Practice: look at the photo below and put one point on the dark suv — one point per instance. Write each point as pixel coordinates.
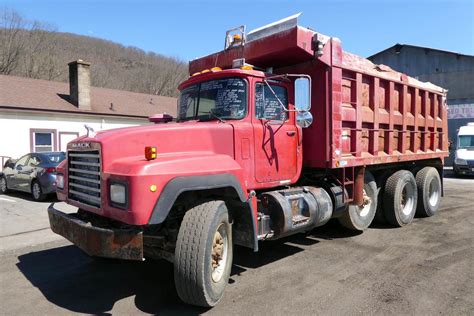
(34, 173)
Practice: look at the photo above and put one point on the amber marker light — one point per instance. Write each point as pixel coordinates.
(153, 188)
(150, 153)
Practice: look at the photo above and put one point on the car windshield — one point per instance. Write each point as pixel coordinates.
(55, 157)
(223, 98)
(466, 141)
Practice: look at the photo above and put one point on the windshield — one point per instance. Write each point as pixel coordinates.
(466, 141)
(224, 98)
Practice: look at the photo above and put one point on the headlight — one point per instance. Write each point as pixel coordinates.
(118, 194)
(459, 161)
(60, 181)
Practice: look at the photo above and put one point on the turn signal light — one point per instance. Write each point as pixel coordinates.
(150, 153)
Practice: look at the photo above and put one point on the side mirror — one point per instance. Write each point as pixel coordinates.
(302, 94)
(19, 167)
(450, 145)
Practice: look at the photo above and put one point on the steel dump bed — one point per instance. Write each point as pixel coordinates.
(364, 114)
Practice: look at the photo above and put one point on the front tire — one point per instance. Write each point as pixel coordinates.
(37, 191)
(428, 183)
(400, 198)
(360, 217)
(203, 254)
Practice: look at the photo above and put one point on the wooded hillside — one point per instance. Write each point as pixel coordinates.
(34, 49)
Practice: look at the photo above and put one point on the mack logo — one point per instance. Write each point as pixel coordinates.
(81, 145)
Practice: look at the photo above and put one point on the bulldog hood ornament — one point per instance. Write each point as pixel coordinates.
(90, 131)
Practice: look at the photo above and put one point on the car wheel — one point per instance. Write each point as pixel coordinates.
(3, 185)
(203, 254)
(37, 191)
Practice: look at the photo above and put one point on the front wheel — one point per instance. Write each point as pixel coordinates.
(203, 254)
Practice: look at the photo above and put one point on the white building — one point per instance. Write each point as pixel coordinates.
(40, 115)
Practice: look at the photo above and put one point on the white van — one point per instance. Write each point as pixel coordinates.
(464, 156)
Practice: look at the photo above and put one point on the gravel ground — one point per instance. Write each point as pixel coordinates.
(424, 268)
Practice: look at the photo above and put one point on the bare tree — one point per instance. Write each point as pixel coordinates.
(34, 49)
(12, 40)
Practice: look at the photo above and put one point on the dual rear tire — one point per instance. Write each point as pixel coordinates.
(405, 195)
(360, 217)
(395, 199)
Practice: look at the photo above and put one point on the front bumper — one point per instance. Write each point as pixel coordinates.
(97, 241)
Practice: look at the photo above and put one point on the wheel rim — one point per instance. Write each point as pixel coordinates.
(407, 201)
(365, 208)
(36, 191)
(3, 184)
(219, 253)
(433, 193)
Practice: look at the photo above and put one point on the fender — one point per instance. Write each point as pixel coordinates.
(178, 185)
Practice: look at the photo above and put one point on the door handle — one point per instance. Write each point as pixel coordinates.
(291, 133)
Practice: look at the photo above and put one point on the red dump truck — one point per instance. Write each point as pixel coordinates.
(275, 135)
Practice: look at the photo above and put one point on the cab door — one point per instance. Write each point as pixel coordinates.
(275, 134)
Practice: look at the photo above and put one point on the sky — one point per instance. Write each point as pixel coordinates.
(190, 29)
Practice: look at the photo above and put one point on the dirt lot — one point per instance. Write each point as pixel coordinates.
(425, 268)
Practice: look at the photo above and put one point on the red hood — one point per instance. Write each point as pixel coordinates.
(170, 138)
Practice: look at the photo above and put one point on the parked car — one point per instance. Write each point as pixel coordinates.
(34, 173)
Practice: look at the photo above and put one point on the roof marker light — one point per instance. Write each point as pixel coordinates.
(150, 153)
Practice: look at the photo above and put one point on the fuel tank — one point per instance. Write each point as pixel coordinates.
(289, 211)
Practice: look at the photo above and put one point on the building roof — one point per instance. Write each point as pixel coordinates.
(399, 47)
(19, 93)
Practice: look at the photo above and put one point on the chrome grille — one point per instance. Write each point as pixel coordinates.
(84, 177)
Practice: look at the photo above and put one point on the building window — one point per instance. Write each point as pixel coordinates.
(42, 140)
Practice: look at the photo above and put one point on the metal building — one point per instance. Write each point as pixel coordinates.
(449, 70)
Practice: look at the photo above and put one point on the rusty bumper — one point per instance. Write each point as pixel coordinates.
(97, 241)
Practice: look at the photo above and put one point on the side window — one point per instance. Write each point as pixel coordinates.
(22, 161)
(267, 106)
(34, 161)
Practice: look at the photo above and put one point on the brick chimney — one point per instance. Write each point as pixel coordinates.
(80, 84)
